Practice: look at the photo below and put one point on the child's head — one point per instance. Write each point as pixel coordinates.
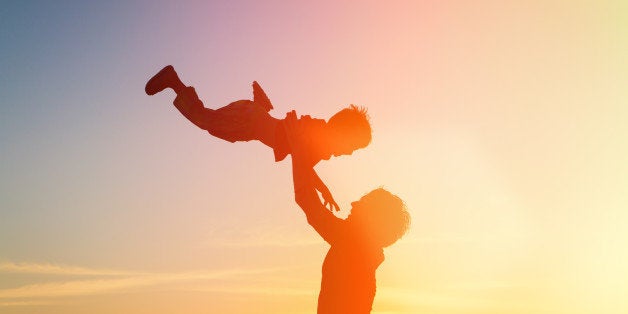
(380, 216)
(350, 130)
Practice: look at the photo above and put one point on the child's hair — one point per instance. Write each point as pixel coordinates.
(386, 215)
(353, 123)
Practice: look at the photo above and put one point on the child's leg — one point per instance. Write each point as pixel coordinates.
(239, 121)
(188, 103)
(243, 120)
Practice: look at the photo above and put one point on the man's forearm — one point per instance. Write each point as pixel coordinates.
(318, 183)
(304, 190)
(322, 220)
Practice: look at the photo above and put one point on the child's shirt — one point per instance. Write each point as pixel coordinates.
(314, 129)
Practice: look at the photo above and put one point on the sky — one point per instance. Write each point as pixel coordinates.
(501, 124)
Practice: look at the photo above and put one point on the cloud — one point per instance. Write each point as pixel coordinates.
(414, 298)
(254, 290)
(124, 281)
(262, 242)
(75, 288)
(20, 303)
(261, 236)
(483, 285)
(52, 269)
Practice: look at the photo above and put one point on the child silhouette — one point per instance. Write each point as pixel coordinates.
(246, 120)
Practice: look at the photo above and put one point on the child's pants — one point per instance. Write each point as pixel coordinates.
(234, 122)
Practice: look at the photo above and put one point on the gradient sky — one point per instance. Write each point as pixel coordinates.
(502, 124)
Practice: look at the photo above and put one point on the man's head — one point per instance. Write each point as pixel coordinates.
(349, 129)
(380, 216)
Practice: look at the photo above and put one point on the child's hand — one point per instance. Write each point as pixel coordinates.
(295, 135)
(292, 129)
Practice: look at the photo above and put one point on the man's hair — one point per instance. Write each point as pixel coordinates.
(386, 215)
(353, 123)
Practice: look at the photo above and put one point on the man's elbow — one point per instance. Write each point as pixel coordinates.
(304, 200)
(299, 199)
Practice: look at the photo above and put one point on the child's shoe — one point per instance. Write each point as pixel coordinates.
(260, 98)
(162, 80)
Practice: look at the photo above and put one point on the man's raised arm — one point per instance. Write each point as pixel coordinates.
(304, 186)
(323, 221)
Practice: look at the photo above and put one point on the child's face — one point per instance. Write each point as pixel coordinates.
(333, 146)
(343, 149)
(340, 146)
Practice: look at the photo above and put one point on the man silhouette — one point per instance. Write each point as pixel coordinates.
(376, 221)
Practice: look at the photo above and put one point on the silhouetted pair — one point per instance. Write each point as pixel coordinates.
(377, 220)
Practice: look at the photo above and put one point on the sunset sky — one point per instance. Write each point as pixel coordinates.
(503, 125)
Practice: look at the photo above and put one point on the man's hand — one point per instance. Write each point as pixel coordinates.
(329, 200)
